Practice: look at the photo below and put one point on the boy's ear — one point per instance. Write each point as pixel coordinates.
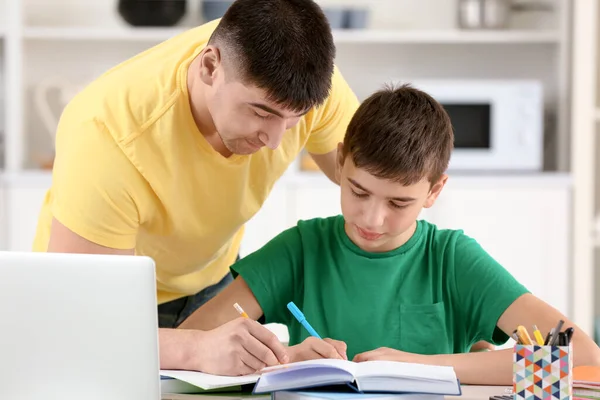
(340, 162)
(435, 191)
(210, 60)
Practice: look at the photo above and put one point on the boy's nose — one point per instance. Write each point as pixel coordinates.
(373, 217)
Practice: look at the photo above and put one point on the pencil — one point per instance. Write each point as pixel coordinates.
(523, 335)
(538, 335)
(240, 310)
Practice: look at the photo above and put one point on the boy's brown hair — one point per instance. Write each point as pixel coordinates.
(401, 134)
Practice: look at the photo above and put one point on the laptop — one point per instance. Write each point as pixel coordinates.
(78, 326)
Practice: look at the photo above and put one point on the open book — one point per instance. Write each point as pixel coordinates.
(370, 376)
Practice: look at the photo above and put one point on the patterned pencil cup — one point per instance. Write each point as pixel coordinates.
(542, 372)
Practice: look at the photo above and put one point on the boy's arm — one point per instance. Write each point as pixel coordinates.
(495, 367)
(492, 304)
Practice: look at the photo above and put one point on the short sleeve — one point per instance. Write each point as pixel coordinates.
(485, 290)
(92, 185)
(333, 117)
(274, 274)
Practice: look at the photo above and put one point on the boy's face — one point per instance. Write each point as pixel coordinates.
(380, 215)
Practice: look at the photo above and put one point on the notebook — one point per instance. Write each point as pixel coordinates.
(586, 382)
(317, 395)
(179, 381)
(369, 376)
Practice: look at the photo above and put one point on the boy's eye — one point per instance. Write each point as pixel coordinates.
(359, 195)
(395, 205)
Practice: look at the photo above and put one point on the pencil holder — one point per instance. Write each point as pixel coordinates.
(542, 372)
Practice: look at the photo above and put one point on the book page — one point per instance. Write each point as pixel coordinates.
(305, 374)
(347, 366)
(405, 370)
(208, 381)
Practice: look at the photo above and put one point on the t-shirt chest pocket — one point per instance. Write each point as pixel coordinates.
(423, 328)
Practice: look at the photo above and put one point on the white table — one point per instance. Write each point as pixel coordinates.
(469, 392)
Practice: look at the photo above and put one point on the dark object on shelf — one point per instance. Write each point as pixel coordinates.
(357, 18)
(152, 12)
(336, 16)
(214, 9)
(346, 18)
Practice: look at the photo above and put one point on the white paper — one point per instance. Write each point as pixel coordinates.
(208, 381)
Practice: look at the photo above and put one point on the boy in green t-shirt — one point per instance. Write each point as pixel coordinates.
(381, 283)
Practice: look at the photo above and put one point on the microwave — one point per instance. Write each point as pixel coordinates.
(498, 124)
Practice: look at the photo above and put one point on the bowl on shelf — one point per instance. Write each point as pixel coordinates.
(214, 9)
(152, 12)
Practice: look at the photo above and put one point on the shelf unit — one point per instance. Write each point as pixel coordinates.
(359, 36)
(585, 120)
(78, 39)
(36, 34)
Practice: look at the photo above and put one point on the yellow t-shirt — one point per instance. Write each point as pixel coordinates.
(133, 171)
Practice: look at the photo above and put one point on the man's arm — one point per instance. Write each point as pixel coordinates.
(332, 119)
(219, 316)
(64, 240)
(495, 367)
(239, 347)
(327, 164)
(219, 310)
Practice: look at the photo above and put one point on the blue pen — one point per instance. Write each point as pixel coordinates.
(302, 319)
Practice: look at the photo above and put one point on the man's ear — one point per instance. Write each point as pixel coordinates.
(340, 162)
(435, 191)
(210, 60)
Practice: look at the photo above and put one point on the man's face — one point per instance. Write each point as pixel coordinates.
(245, 120)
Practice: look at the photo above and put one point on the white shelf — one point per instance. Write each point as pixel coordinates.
(90, 33)
(32, 177)
(445, 36)
(340, 36)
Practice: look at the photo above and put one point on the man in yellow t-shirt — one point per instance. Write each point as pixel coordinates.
(169, 153)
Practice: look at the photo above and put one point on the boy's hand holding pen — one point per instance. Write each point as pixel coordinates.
(554, 338)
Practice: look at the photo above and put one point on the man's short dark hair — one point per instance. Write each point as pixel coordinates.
(284, 47)
(401, 134)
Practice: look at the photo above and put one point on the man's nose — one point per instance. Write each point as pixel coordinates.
(272, 137)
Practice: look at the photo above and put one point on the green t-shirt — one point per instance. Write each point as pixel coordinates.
(439, 293)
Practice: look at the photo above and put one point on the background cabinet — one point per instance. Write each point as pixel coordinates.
(527, 232)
